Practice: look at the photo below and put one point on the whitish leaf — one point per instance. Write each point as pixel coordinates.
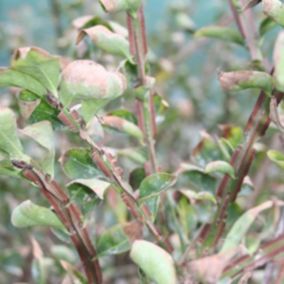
(155, 262)
(198, 196)
(123, 125)
(14, 78)
(113, 6)
(28, 214)
(42, 133)
(277, 157)
(9, 141)
(247, 79)
(220, 167)
(275, 10)
(278, 57)
(118, 239)
(97, 186)
(40, 65)
(107, 40)
(242, 225)
(222, 33)
(85, 79)
(209, 269)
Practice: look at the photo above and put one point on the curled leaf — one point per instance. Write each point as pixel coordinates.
(222, 33)
(85, 79)
(123, 125)
(221, 167)
(278, 58)
(113, 6)
(107, 40)
(241, 80)
(277, 157)
(96, 185)
(155, 262)
(275, 10)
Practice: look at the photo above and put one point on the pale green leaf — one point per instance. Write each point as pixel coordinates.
(277, 157)
(42, 133)
(113, 6)
(97, 186)
(9, 141)
(220, 167)
(243, 224)
(14, 78)
(275, 10)
(222, 33)
(28, 214)
(40, 65)
(278, 58)
(154, 261)
(245, 79)
(107, 40)
(123, 125)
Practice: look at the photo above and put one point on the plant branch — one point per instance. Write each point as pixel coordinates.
(70, 216)
(106, 164)
(145, 109)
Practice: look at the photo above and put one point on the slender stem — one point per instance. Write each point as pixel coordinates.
(145, 110)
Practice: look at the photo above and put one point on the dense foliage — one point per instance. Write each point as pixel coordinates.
(106, 172)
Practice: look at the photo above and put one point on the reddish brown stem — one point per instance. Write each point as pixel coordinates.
(70, 216)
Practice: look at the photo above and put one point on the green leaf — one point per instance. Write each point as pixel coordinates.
(114, 241)
(278, 59)
(113, 6)
(275, 10)
(77, 163)
(195, 178)
(42, 133)
(78, 82)
(155, 262)
(14, 78)
(99, 187)
(150, 189)
(266, 25)
(221, 167)
(28, 214)
(9, 141)
(40, 65)
(277, 157)
(153, 185)
(247, 79)
(107, 40)
(123, 125)
(222, 33)
(242, 225)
